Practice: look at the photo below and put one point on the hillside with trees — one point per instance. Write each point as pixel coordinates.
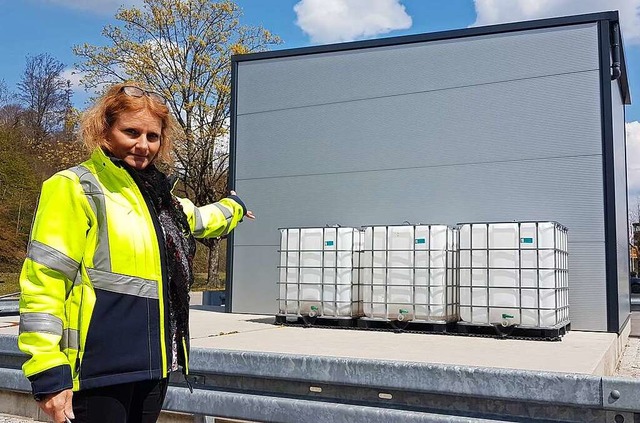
(178, 48)
(37, 138)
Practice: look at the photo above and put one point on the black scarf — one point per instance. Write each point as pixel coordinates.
(180, 246)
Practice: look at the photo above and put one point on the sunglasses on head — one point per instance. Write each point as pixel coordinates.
(134, 91)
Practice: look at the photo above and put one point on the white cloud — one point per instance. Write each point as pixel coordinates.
(74, 77)
(498, 11)
(633, 160)
(96, 6)
(328, 21)
(81, 96)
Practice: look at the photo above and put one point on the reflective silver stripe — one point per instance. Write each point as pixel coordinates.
(53, 259)
(78, 279)
(70, 339)
(199, 228)
(95, 195)
(123, 284)
(227, 215)
(40, 322)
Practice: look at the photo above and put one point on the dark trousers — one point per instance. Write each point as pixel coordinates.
(135, 402)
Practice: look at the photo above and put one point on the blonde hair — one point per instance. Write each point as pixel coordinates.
(98, 119)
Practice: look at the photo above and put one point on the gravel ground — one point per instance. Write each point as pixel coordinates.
(5, 418)
(629, 366)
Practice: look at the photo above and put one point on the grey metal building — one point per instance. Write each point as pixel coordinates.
(522, 121)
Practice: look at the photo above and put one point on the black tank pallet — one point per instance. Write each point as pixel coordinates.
(514, 332)
(316, 321)
(451, 328)
(406, 326)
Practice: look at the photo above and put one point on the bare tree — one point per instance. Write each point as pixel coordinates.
(42, 92)
(11, 114)
(182, 49)
(634, 217)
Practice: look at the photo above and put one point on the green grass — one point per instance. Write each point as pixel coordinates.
(9, 283)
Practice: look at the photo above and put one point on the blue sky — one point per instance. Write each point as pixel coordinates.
(31, 27)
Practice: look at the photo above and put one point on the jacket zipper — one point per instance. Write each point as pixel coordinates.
(163, 263)
(185, 368)
(78, 363)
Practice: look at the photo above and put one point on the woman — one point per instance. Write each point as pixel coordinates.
(105, 305)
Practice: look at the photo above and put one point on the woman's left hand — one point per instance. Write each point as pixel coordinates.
(249, 213)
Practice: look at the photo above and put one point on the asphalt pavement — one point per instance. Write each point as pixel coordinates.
(635, 302)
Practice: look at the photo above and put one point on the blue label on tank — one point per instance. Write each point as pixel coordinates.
(526, 240)
(328, 243)
(421, 241)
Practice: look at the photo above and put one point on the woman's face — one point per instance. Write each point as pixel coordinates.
(135, 138)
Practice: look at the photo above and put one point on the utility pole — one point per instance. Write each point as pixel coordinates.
(635, 247)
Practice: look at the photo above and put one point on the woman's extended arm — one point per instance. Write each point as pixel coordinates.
(217, 219)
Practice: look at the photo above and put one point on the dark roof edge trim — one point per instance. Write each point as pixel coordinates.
(431, 36)
(623, 81)
(452, 34)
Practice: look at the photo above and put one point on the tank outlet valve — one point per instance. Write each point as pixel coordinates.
(505, 322)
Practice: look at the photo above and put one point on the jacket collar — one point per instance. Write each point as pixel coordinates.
(104, 161)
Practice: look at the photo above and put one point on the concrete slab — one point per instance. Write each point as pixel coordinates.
(578, 352)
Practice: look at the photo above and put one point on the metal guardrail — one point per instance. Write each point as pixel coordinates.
(9, 304)
(257, 406)
(285, 388)
(9, 308)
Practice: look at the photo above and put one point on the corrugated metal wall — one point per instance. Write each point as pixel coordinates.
(488, 128)
(622, 223)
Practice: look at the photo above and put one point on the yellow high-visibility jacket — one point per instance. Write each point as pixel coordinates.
(94, 303)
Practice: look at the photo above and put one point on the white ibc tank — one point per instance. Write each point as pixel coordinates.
(319, 272)
(514, 273)
(408, 273)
